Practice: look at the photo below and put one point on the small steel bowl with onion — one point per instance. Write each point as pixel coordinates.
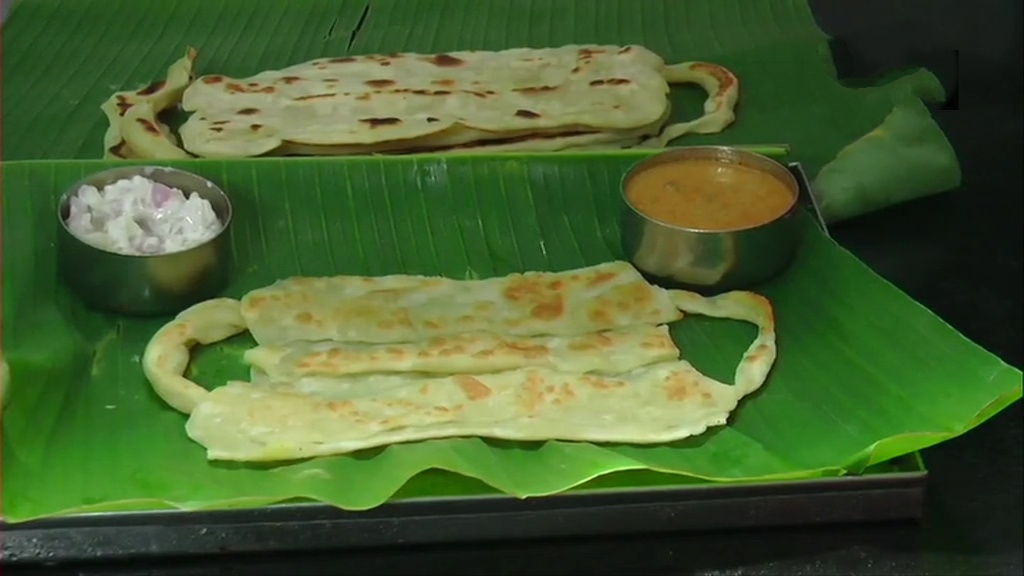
(151, 284)
(710, 218)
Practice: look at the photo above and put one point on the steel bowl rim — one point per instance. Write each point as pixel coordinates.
(65, 198)
(666, 155)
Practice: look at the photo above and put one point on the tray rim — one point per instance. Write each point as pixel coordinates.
(312, 527)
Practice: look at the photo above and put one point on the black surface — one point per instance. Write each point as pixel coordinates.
(958, 253)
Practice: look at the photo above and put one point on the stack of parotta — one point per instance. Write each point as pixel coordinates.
(524, 99)
(347, 363)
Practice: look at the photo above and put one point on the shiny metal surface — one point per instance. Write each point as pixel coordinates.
(146, 285)
(710, 260)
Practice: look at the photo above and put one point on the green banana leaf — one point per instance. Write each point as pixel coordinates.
(63, 59)
(864, 375)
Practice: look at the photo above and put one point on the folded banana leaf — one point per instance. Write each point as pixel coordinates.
(864, 373)
(62, 60)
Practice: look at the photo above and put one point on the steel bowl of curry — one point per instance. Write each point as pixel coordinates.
(710, 217)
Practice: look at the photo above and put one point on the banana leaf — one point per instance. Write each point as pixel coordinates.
(864, 375)
(63, 59)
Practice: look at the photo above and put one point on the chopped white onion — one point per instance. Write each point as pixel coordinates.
(139, 217)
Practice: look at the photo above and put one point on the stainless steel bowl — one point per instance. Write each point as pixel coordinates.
(146, 285)
(705, 259)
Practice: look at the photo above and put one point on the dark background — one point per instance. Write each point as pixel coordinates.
(958, 253)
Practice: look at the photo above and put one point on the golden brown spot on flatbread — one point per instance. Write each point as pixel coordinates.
(451, 351)
(476, 93)
(592, 342)
(219, 122)
(385, 63)
(431, 324)
(255, 127)
(610, 82)
(545, 304)
(252, 84)
(363, 97)
(601, 278)
(431, 119)
(550, 388)
(212, 79)
(152, 88)
(382, 83)
(217, 129)
(679, 387)
(268, 90)
(375, 122)
(248, 111)
(526, 350)
(600, 317)
(601, 383)
(485, 307)
(304, 318)
(341, 406)
(759, 352)
(550, 309)
(118, 149)
(725, 79)
(342, 60)
(567, 392)
(660, 342)
(123, 105)
(472, 388)
(527, 114)
(445, 60)
(576, 69)
(290, 79)
(147, 126)
(589, 52)
(535, 89)
(533, 393)
(317, 96)
(445, 82)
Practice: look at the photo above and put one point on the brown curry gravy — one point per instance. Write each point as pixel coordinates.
(708, 195)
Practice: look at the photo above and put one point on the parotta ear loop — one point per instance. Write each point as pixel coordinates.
(723, 88)
(123, 125)
(757, 361)
(167, 353)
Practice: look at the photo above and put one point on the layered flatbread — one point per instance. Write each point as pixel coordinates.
(134, 129)
(524, 99)
(611, 352)
(403, 308)
(336, 381)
